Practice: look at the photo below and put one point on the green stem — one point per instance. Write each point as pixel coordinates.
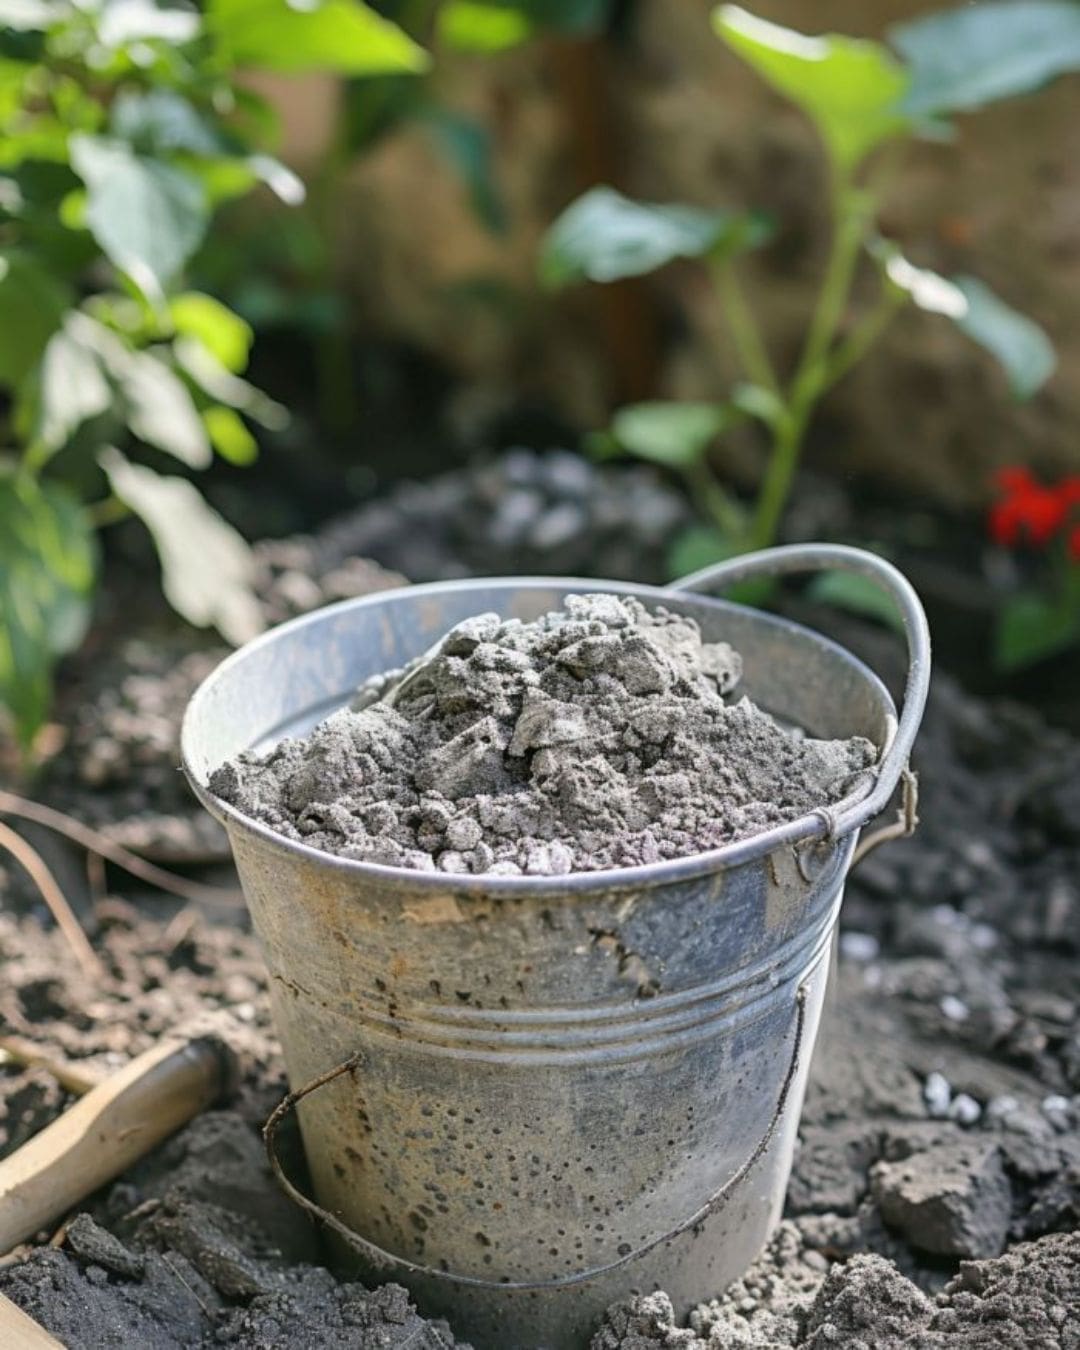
(749, 343)
(706, 490)
(851, 214)
(862, 337)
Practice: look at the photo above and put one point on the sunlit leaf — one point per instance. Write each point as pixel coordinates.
(47, 565)
(1020, 345)
(224, 334)
(72, 388)
(201, 366)
(27, 16)
(207, 568)
(473, 27)
(850, 88)
(148, 217)
(967, 57)
(230, 437)
(160, 410)
(604, 236)
(342, 36)
(161, 121)
(677, 435)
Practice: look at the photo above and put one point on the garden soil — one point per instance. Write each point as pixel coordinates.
(595, 736)
(935, 1197)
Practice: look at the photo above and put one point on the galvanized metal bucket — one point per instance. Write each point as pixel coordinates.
(526, 1097)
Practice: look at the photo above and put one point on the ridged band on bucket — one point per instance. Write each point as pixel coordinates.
(524, 1097)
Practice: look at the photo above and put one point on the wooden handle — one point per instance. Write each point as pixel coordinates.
(19, 1331)
(106, 1131)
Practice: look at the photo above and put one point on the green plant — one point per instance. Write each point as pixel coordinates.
(1038, 620)
(124, 126)
(866, 103)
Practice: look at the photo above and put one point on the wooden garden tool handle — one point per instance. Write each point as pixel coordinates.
(107, 1130)
(19, 1331)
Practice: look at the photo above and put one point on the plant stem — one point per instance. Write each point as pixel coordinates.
(724, 511)
(851, 211)
(862, 337)
(749, 343)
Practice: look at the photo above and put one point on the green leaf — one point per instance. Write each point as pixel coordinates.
(1031, 627)
(467, 145)
(32, 307)
(161, 121)
(47, 565)
(856, 594)
(700, 546)
(604, 236)
(72, 388)
(224, 334)
(850, 88)
(230, 437)
(207, 568)
(677, 435)
(965, 58)
(755, 400)
(147, 217)
(485, 29)
(202, 367)
(341, 36)
(1020, 345)
(160, 410)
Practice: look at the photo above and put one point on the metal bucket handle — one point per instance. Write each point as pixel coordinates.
(892, 767)
(382, 1259)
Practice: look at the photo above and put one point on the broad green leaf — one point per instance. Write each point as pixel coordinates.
(161, 121)
(1032, 627)
(47, 565)
(1020, 345)
(207, 568)
(965, 58)
(700, 546)
(604, 236)
(857, 594)
(486, 29)
(201, 366)
(148, 217)
(230, 437)
(123, 21)
(466, 143)
(224, 334)
(677, 435)
(32, 307)
(72, 388)
(341, 36)
(850, 88)
(754, 400)
(160, 410)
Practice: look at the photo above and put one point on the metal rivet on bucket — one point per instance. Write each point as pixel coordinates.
(526, 1097)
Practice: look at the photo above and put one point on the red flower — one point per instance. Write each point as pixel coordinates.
(1030, 510)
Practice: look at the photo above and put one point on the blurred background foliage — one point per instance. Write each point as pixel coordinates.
(270, 256)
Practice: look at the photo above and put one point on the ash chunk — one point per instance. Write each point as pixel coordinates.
(597, 736)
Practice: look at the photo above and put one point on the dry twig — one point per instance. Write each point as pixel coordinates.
(36, 868)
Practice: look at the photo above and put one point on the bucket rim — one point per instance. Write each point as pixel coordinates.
(815, 826)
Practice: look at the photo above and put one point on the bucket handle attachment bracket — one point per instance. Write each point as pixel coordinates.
(893, 766)
(381, 1259)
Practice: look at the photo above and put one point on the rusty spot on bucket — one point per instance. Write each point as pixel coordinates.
(439, 909)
